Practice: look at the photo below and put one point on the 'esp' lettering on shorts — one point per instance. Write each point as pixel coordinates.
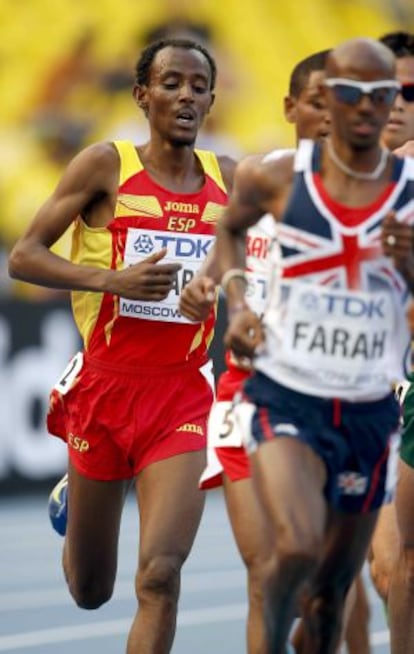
(78, 443)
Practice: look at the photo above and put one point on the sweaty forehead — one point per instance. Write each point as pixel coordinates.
(180, 60)
(361, 59)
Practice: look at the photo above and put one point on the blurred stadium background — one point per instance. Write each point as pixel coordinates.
(65, 81)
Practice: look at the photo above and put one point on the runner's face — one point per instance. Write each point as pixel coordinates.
(360, 124)
(400, 127)
(178, 95)
(311, 114)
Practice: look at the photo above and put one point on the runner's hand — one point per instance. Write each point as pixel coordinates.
(146, 280)
(398, 243)
(244, 334)
(397, 240)
(197, 298)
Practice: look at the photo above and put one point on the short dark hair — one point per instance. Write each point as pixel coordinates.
(303, 69)
(143, 66)
(401, 43)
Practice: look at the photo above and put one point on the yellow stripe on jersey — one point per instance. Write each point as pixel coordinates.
(91, 246)
(198, 338)
(108, 328)
(212, 212)
(128, 204)
(138, 205)
(211, 167)
(200, 334)
(130, 162)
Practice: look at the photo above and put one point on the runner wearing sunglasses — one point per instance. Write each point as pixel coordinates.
(324, 410)
(349, 91)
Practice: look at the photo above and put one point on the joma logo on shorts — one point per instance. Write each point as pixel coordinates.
(192, 429)
(78, 443)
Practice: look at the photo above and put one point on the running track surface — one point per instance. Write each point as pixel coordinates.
(37, 615)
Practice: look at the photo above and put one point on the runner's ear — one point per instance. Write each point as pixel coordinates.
(140, 95)
(213, 97)
(289, 106)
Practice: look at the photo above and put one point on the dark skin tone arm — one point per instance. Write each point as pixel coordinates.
(88, 189)
(258, 188)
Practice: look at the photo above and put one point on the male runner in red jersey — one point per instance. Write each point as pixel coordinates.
(133, 405)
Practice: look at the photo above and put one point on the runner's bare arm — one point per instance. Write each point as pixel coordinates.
(87, 189)
(258, 188)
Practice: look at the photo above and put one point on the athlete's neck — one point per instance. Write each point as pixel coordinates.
(177, 169)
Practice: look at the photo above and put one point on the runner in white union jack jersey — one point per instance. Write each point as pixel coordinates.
(333, 267)
(333, 342)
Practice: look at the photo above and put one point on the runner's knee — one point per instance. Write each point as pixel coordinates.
(90, 593)
(159, 577)
(299, 541)
(293, 566)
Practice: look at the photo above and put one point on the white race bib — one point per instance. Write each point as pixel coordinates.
(189, 250)
(230, 425)
(342, 337)
(64, 384)
(401, 390)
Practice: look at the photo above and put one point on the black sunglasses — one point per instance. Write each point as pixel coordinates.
(349, 91)
(407, 92)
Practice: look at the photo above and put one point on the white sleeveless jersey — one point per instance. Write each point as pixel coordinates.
(260, 241)
(335, 320)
